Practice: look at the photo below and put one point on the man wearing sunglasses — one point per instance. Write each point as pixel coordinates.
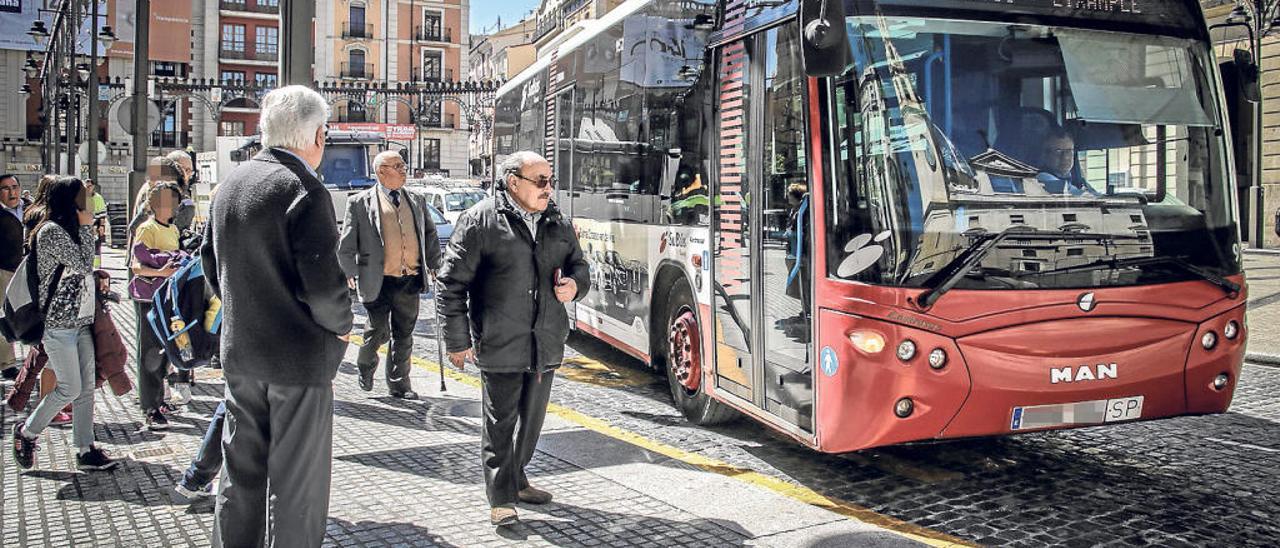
(512, 262)
(388, 247)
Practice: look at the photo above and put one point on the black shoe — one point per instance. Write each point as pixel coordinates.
(156, 420)
(95, 459)
(366, 382)
(24, 450)
(406, 395)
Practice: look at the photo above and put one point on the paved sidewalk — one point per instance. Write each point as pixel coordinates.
(407, 474)
(1262, 272)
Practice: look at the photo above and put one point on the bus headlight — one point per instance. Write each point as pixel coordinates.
(1221, 381)
(938, 358)
(904, 408)
(907, 350)
(1209, 340)
(1231, 330)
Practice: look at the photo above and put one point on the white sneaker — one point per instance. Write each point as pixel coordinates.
(181, 394)
(193, 495)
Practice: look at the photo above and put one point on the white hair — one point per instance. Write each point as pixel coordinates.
(517, 160)
(291, 115)
(178, 156)
(382, 157)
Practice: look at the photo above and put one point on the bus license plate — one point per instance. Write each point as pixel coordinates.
(1076, 413)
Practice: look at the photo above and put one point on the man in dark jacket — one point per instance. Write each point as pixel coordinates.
(270, 253)
(511, 262)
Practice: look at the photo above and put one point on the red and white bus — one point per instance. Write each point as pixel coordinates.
(870, 222)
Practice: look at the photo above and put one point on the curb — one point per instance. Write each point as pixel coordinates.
(1262, 358)
(1267, 252)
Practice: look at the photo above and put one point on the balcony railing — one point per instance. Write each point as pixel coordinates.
(259, 7)
(433, 33)
(357, 70)
(447, 121)
(233, 5)
(231, 53)
(351, 30)
(434, 75)
(266, 56)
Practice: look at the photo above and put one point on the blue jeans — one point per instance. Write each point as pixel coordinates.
(209, 458)
(71, 358)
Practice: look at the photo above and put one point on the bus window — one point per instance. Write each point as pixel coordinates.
(346, 167)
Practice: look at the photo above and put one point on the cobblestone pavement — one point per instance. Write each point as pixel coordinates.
(404, 474)
(1192, 481)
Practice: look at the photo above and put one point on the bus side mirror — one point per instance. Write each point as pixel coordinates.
(1247, 74)
(825, 48)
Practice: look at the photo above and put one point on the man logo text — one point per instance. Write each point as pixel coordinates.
(1082, 373)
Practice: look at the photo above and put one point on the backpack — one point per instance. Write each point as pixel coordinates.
(186, 317)
(22, 318)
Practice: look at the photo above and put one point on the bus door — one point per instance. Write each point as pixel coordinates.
(763, 287)
(562, 164)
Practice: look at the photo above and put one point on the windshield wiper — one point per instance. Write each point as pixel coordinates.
(1229, 287)
(951, 273)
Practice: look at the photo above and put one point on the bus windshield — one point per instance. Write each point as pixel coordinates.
(346, 167)
(1107, 146)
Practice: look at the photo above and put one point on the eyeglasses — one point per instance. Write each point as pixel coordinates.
(402, 168)
(541, 182)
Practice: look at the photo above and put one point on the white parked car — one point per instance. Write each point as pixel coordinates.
(452, 199)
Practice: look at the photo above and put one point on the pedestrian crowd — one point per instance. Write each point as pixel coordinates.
(277, 317)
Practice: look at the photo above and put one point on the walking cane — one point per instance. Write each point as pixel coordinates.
(435, 296)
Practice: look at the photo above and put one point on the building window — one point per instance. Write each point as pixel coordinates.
(433, 27)
(233, 77)
(269, 3)
(265, 81)
(231, 128)
(268, 40)
(431, 154)
(355, 66)
(432, 66)
(233, 38)
(167, 69)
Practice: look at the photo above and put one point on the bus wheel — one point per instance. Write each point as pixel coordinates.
(684, 363)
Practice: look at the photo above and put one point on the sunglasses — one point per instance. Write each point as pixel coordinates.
(540, 182)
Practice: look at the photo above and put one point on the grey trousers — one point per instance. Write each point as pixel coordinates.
(392, 317)
(515, 405)
(278, 450)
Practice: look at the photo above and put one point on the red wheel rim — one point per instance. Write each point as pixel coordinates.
(686, 350)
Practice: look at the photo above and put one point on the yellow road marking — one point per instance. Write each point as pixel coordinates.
(785, 488)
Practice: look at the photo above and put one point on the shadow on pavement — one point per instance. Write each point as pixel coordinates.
(133, 482)
(576, 526)
(373, 533)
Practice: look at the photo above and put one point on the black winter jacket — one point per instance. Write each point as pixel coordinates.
(496, 286)
(271, 253)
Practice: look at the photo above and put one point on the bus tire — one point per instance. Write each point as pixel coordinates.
(683, 355)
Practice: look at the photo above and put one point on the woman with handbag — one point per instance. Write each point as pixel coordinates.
(64, 246)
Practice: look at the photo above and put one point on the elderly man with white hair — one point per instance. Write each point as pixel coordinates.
(388, 249)
(270, 253)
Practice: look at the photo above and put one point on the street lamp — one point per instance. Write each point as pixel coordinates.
(82, 70)
(31, 68)
(38, 32)
(106, 37)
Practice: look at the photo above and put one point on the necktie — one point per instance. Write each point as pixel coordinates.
(395, 198)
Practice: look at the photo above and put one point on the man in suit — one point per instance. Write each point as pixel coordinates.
(11, 240)
(270, 254)
(388, 245)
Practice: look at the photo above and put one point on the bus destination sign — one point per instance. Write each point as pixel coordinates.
(1165, 13)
